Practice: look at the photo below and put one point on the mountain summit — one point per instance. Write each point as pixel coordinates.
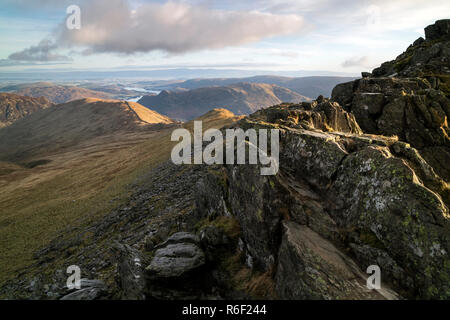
(408, 97)
(427, 58)
(66, 125)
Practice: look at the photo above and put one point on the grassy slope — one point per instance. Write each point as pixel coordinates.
(62, 94)
(77, 187)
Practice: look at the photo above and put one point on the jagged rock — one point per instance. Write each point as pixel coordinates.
(324, 116)
(130, 272)
(382, 199)
(407, 108)
(175, 260)
(368, 255)
(439, 29)
(310, 267)
(374, 195)
(212, 236)
(209, 200)
(179, 237)
(177, 270)
(90, 290)
(259, 218)
(429, 58)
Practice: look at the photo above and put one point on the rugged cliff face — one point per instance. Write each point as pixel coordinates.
(341, 201)
(408, 97)
(362, 184)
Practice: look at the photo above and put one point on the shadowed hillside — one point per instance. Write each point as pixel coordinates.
(307, 86)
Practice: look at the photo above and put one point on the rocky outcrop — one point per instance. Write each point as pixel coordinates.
(130, 272)
(90, 290)
(310, 267)
(427, 57)
(176, 259)
(369, 200)
(408, 97)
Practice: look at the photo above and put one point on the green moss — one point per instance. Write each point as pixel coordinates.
(272, 184)
(432, 291)
(229, 225)
(444, 83)
(407, 221)
(259, 214)
(402, 63)
(369, 238)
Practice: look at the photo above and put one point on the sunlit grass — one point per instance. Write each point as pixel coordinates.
(75, 189)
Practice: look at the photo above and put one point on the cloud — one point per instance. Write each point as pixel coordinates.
(113, 26)
(42, 52)
(5, 63)
(38, 4)
(356, 62)
(174, 27)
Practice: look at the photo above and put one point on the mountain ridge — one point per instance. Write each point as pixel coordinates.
(312, 86)
(55, 92)
(241, 98)
(65, 125)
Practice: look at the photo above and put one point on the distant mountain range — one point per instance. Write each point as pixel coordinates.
(14, 107)
(54, 92)
(240, 98)
(139, 72)
(307, 86)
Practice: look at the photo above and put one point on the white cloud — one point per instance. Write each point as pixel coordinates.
(44, 52)
(356, 62)
(113, 26)
(174, 27)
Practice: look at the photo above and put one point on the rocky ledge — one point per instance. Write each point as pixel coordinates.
(341, 199)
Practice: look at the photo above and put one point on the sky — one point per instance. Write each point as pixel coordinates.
(285, 35)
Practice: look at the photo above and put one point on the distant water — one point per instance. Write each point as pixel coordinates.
(142, 90)
(136, 99)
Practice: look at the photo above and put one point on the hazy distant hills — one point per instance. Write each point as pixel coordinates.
(65, 125)
(307, 86)
(140, 72)
(14, 107)
(240, 98)
(61, 94)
